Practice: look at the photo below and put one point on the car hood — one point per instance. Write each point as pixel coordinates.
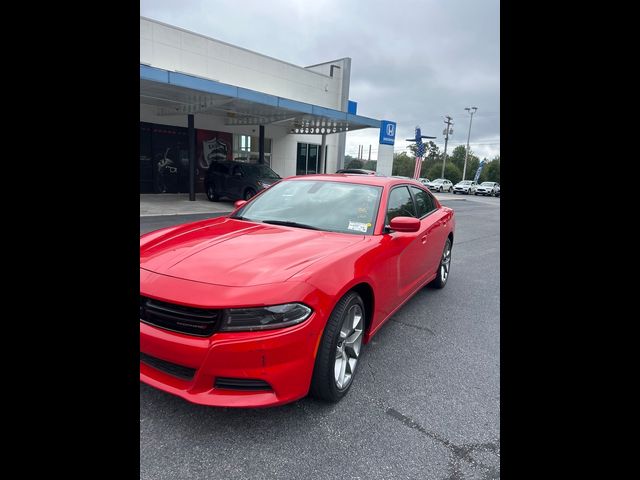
(237, 253)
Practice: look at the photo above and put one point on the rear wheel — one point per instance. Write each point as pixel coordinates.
(450, 189)
(440, 189)
(211, 194)
(443, 269)
(339, 349)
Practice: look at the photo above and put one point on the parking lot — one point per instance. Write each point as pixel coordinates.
(424, 403)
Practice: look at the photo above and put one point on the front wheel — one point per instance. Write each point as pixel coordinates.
(339, 349)
(443, 269)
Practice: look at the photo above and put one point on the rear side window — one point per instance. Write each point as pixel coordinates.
(400, 204)
(424, 201)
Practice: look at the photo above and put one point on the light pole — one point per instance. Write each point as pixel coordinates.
(471, 110)
(446, 132)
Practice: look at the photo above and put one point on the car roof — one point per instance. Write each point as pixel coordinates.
(378, 180)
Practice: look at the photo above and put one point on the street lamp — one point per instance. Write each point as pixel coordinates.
(471, 110)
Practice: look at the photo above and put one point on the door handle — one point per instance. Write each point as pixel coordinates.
(424, 239)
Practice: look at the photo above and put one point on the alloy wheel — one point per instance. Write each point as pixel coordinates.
(348, 347)
(446, 262)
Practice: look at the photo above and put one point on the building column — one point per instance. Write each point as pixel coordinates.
(261, 146)
(323, 155)
(192, 158)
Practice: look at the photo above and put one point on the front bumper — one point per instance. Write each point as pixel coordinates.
(283, 358)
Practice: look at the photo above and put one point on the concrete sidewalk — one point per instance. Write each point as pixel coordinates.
(157, 204)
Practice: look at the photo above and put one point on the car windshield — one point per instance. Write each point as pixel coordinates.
(487, 184)
(438, 180)
(318, 205)
(465, 182)
(261, 171)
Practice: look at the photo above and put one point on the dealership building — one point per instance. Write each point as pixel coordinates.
(203, 100)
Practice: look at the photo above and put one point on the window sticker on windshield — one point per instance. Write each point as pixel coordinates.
(358, 226)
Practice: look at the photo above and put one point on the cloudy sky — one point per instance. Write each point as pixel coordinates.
(412, 61)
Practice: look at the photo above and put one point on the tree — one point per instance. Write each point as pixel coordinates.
(431, 150)
(457, 158)
(370, 165)
(348, 159)
(491, 171)
(451, 172)
(403, 164)
(354, 163)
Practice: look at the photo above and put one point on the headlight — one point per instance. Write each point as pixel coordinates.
(264, 318)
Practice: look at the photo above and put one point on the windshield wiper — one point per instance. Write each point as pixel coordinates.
(290, 224)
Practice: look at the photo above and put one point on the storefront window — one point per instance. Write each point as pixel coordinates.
(246, 149)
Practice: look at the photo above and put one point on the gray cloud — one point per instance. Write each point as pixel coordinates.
(412, 61)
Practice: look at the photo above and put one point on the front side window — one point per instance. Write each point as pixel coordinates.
(400, 204)
(424, 201)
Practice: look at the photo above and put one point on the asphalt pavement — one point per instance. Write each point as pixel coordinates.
(424, 403)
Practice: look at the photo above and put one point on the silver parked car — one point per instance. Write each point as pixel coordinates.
(440, 185)
(488, 188)
(465, 186)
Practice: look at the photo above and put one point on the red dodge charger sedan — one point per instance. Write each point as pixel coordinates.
(276, 300)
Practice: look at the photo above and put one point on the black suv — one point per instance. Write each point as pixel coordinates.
(237, 180)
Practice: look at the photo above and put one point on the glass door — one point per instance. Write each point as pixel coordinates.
(308, 159)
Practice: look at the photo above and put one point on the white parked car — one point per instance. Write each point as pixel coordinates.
(465, 186)
(488, 188)
(440, 185)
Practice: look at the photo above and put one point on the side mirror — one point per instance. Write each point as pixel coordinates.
(405, 224)
(238, 203)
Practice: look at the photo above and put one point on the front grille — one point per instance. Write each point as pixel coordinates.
(241, 384)
(174, 369)
(200, 322)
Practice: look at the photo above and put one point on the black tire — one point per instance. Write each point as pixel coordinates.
(248, 193)
(323, 382)
(450, 189)
(441, 280)
(211, 194)
(475, 193)
(440, 189)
